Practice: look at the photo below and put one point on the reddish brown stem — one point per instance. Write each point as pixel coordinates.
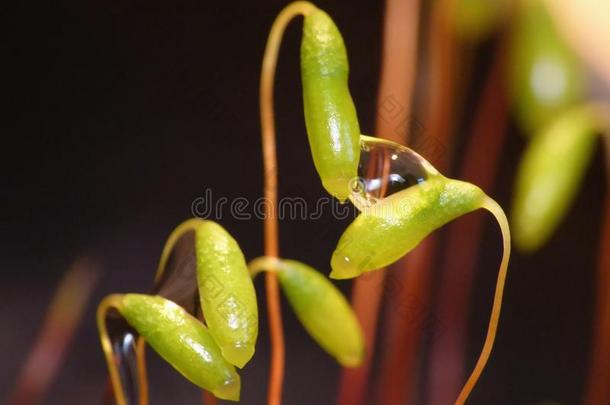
(394, 105)
(60, 324)
(276, 374)
(398, 367)
(209, 399)
(480, 163)
(406, 309)
(598, 389)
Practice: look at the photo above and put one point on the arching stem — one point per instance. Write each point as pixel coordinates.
(263, 264)
(139, 350)
(108, 303)
(493, 207)
(276, 374)
(459, 264)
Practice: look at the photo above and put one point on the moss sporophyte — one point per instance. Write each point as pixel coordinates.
(203, 318)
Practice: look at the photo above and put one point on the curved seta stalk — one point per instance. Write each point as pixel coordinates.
(108, 303)
(276, 373)
(111, 302)
(495, 209)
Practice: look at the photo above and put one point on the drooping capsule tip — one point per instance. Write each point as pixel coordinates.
(352, 361)
(526, 236)
(355, 358)
(238, 355)
(343, 267)
(230, 390)
(338, 187)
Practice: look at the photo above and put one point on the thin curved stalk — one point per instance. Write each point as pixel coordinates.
(107, 304)
(493, 207)
(399, 55)
(171, 286)
(480, 163)
(276, 374)
(263, 264)
(141, 364)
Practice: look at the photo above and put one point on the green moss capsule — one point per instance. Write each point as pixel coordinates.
(545, 75)
(330, 114)
(393, 226)
(550, 173)
(182, 341)
(402, 199)
(227, 295)
(323, 311)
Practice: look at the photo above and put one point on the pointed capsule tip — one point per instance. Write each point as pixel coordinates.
(528, 234)
(351, 361)
(238, 355)
(230, 390)
(527, 243)
(343, 273)
(338, 188)
(342, 268)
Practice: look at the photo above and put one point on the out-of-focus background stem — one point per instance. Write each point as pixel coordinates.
(447, 366)
(396, 86)
(398, 379)
(56, 335)
(598, 389)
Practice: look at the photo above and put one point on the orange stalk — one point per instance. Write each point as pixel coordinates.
(399, 55)
(480, 163)
(271, 237)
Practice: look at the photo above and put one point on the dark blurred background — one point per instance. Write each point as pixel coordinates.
(118, 115)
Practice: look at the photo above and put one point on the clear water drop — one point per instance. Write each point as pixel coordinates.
(386, 168)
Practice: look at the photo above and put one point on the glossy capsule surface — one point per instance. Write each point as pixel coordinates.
(330, 115)
(323, 311)
(402, 199)
(183, 342)
(226, 292)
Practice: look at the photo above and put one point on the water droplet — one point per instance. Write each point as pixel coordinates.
(386, 168)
